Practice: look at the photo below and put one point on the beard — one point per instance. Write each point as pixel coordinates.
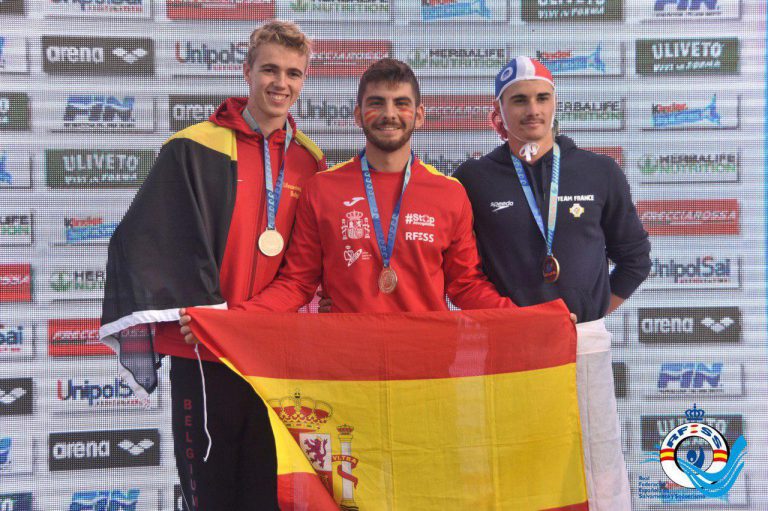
(388, 145)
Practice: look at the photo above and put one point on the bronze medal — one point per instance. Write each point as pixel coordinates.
(387, 280)
(550, 269)
(271, 243)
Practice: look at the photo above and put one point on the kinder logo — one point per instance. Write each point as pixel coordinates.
(75, 337)
(15, 501)
(691, 271)
(687, 56)
(103, 449)
(90, 229)
(695, 9)
(432, 10)
(15, 341)
(210, 58)
(14, 111)
(328, 115)
(655, 427)
(96, 112)
(690, 217)
(105, 500)
(16, 229)
(346, 57)
(15, 282)
(112, 8)
(82, 168)
(713, 113)
(689, 325)
(77, 394)
(98, 55)
(578, 62)
(16, 396)
(615, 152)
(444, 61)
(186, 110)
(13, 55)
(457, 113)
(699, 379)
(572, 10)
(693, 167)
(248, 10)
(601, 115)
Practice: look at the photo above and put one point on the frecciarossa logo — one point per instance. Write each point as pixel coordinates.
(103, 449)
(457, 112)
(690, 217)
(15, 282)
(75, 337)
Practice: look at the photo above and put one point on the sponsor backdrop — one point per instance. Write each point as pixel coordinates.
(89, 89)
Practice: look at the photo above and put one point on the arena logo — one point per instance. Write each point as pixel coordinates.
(87, 229)
(15, 282)
(13, 54)
(457, 112)
(103, 449)
(346, 57)
(694, 271)
(101, 112)
(689, 325)
(687, 56)
(245, 10)
(709, 379)
(432, 10)
(84, 168)
(445, 60)
(110, 8)
(694, 9)
(186, 110)
(107, 500)
(16, 229)
(16, 396)
(572, 10)
(98, 55)
(15, 169)
(575, 62)
(324, 114)
(215, 58)
(15, 501)
(690, 167)
(14, 111)
(690, 217)
(716, 112)
(591, 115)
(75, 337)
(329, 9)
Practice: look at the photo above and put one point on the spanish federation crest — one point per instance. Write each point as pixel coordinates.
(307, 420)
(355, 226)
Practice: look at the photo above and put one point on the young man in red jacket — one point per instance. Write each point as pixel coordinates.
(209, 227)
(382, 232)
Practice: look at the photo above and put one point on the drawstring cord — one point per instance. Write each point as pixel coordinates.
(205, 404)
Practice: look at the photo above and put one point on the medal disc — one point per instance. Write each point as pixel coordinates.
(271, 243)
(550, 269)
(387, 280)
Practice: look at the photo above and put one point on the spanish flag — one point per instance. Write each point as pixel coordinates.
(404, 411)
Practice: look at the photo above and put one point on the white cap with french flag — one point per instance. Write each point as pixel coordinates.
(521, 68)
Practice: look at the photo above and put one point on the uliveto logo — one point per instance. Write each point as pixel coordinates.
(103, 449)
(98, 55)
(655, 427)
(663, 325)
(16, 396)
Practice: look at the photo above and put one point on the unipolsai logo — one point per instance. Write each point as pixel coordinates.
(694, 271)
(105, 500)
(15, 340)
(696, 456)
(96, 393)
(210, 57)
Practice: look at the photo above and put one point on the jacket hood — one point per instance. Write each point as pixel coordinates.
(501, 153)
(230, 115)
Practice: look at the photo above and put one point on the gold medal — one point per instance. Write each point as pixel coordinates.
(550, 269)
(271, 243)
(387, 280)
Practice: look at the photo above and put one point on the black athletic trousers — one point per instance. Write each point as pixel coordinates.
(241, 472)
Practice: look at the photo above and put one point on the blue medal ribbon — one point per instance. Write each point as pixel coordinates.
(386, 247)
(273, 191)
(554, 188)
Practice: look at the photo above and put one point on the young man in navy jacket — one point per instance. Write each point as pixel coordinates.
(548, 217)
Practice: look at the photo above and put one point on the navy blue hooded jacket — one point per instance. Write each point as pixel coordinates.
(596, 221)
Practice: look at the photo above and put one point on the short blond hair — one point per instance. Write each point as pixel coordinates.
(284, 33)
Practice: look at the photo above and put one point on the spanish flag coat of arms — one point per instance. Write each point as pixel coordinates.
(414, 411)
